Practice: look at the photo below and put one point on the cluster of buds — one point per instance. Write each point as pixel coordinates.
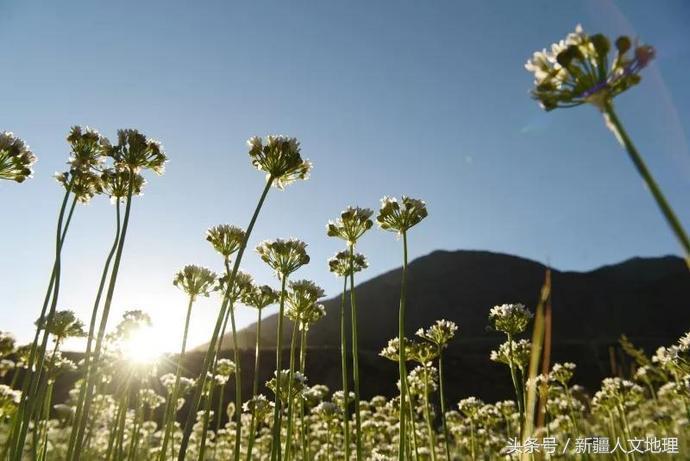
(578, 70)
(16, 159)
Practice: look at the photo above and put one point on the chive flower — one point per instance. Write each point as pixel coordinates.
(440, 333)
(283, 256)
(351, 225)
(280, 158)
(510, 319)
(226, 239)
(400, 216)
(135, 152)
(259, 297)
(16, 159)
(340, 263)
(195, 281)
(578, 70)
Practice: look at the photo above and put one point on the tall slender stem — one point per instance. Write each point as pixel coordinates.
(517, 386)
(355, 354)
(427, 416)
(402, 369)
(255, 387)
(104, 318)
(275, 443)
(442, 398)
(172, 408)
(617, 127)
(346, 377)
(92, 328)
(33, 376)
(302, 368)
(238, 385)
(291, 375)
(210, 352)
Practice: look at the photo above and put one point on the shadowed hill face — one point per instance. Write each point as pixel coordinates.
(644, 298)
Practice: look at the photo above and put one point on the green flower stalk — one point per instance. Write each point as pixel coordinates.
(577, 71)
(195, 281)
(343, 264)
(440, 334)
(280, 158)
(399, 217)
(116, 185)
(258, 297)
(87, 153)
(302, 309)
(133, 153)
(284, 257)
(351, 225)
(16, 159)
(232, 294)
(512, 319)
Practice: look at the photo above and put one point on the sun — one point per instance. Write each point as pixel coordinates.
(143, 346)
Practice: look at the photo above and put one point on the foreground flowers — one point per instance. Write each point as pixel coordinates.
(578, 70)
(399, 217)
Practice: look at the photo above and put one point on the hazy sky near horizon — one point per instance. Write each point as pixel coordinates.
(429, 99)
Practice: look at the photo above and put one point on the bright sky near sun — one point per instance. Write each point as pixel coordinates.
(429, 99)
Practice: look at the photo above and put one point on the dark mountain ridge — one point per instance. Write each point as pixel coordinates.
(644, 298)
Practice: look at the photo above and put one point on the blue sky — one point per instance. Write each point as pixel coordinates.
(429, 99)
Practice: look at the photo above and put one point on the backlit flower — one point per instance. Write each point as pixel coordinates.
(259, 297)
(88, 148)
(279, 157)
(392, 349)
(340, 263)
(16, 159)
(241, 285)
(511, 319)
(283, 256)
(65, 324)
(195, 281)
(136, 152)
(115, 183)
(225, 239)
(400, 216)
(578, 70)
(439, 333)
(351, 225)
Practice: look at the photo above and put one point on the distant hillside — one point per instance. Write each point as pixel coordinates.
(645, 298)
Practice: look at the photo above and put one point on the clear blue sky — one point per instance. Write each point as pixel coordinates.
(429, 99)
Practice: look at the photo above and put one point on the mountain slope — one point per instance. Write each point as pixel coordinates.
(645, 298)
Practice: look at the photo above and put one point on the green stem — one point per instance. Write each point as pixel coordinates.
(355, 354)
(219, 417)
(427, 416)
(275, 443)
(210, 352)
(172, 409)
(255, 387)
(516, 385)
(238, 385)
(204, 427)
(291, 374)
(343, 364)
(402, 369)
(33, 372)
(104, 319)
(92, 328)
(442, 398)
(302, 367)
(670, 216)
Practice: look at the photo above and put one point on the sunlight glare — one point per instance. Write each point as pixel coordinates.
(143, 346)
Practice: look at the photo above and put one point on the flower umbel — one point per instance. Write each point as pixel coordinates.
(279, 157)
(439, 333)
(16, 159)
(340, 263)
(397, 216)
(351, 225)
(195, 281)
(225, 239)
(136, 152)
(511, 319)
(283, 256)
(259, 297)
(578, 70)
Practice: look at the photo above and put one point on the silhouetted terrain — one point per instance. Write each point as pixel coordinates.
(645, 298)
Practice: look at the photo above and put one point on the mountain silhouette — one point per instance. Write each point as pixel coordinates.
(643, 298)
